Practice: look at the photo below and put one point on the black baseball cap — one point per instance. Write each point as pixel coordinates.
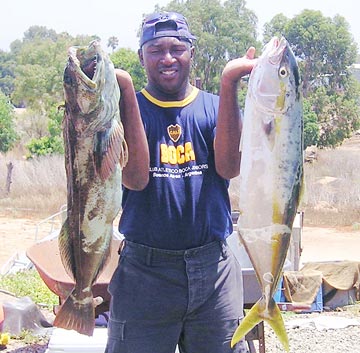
(165, 24)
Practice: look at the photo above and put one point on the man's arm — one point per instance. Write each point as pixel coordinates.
(229, 126)
(135, 175)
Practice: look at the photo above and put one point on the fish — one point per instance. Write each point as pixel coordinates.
(271, 176)
(95, 154)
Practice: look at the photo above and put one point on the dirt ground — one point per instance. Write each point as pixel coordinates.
(318, 244)
(18, 234)
(330, 244)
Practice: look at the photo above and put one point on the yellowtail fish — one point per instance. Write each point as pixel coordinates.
(271, 175)
(95, 152)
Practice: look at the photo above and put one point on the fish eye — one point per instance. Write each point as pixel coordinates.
(283, 72)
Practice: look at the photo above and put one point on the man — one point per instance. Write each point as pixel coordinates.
(177, 282)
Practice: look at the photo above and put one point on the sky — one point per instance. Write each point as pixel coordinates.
(107, 18)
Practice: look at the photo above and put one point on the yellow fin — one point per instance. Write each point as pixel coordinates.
(276, 322)
(255, 315)
(251, 319)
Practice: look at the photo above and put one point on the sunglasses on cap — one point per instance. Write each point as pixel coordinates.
(165, 24)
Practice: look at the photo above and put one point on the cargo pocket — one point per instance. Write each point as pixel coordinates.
(116, 329)
(116, 336)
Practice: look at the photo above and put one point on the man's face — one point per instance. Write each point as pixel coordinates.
(167, 61)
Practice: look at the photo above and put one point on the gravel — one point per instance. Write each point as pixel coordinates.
(312, 340)
(302, 339)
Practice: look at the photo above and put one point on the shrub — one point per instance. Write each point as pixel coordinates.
(29, 284)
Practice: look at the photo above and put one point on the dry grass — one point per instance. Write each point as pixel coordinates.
(332, 194)
(331, 198)
(38, 186)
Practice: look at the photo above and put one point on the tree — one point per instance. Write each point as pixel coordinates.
(276, 27)
(325, 48)
(128, 60)
(311, 126)
(326, 51)
(39, 32)
(40, 61)
(113, 42)
(8, 135)
(338, 114)
(7, 75)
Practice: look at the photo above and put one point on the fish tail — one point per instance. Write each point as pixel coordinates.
(276, 322)
(78, 315)
(251, 319)
(257, 314)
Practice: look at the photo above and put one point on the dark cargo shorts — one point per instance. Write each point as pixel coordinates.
(161, 299)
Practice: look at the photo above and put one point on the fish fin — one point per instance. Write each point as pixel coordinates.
(76, 315)
(66, 250)
(110, 149)
(251, 319)
(276, 322)
(256, 315)
(105, 260)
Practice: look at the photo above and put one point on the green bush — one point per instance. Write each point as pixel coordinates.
(8, 135)
(45, 146)
(311, 126)
(29, 284)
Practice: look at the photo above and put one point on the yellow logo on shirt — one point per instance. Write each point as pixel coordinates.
(177, 154)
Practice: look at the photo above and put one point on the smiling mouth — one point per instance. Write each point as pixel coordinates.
(168, 72)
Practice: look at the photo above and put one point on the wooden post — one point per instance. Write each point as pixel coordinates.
(10, 167)
(295, 243)
(198, 82)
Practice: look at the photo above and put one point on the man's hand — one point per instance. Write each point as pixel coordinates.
(237, 68)
(229, 125)
(97, 301)
(135, 174)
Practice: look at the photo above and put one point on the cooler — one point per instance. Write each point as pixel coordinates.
(66, 341)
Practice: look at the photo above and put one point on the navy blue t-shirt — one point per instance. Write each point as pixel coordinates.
(186, 203)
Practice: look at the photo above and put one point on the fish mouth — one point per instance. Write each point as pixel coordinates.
(88, 67)
(270, 88)
(85, 63)
(276, 48)
(84, 77)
